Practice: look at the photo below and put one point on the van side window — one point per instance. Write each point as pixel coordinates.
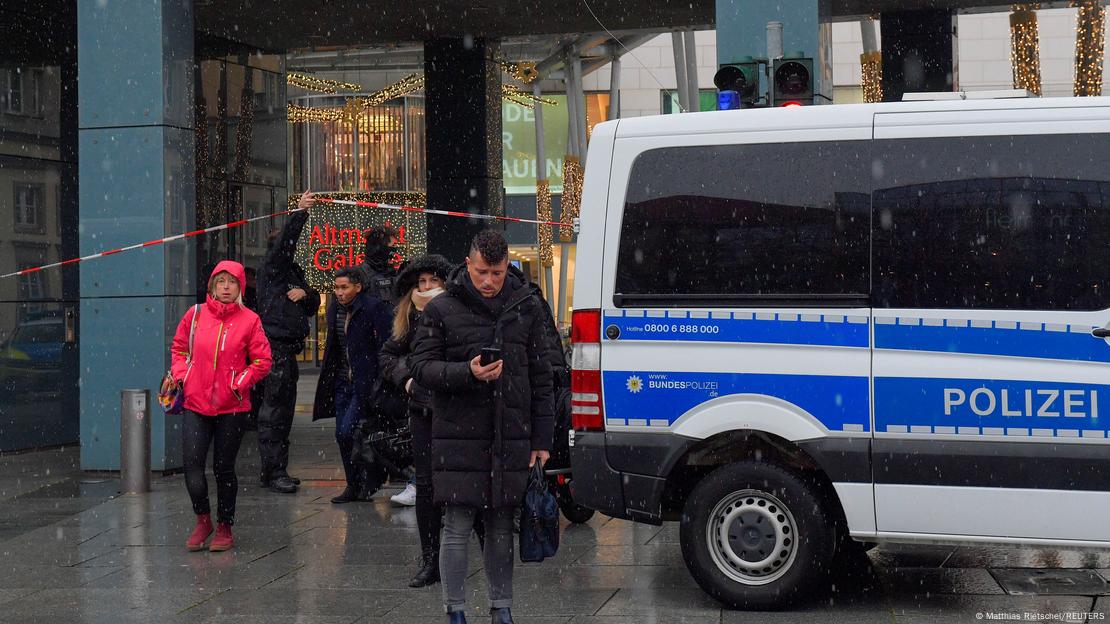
(746, 221)
(997, 222)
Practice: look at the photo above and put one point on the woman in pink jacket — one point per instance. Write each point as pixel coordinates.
(229, 355)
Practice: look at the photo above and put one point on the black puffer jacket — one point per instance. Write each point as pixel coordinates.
(483, 433)
(394, 360)
(282, 319)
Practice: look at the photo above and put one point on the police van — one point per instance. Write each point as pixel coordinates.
(805, 327)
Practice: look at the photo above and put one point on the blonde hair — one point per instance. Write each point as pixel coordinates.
(212, 286)
(401, 317)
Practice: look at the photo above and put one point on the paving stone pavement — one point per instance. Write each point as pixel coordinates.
(73, 550)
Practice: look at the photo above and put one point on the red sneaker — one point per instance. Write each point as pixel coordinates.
(223, 540)
(200, 533)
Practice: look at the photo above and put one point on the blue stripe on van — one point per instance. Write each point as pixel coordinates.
(994, 340)
(658, 399)
(792, 329)
(991, 407)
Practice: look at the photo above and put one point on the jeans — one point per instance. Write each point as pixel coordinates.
(198, 434)
(458, 522)
(429, 516)
(347, 415)
(275, 416)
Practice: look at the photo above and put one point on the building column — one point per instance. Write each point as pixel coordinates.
(918, 52)
(462, 87)
(137, 183)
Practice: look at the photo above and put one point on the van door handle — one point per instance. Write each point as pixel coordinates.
(1101, 332)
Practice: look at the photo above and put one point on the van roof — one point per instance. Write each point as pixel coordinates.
(827, 116)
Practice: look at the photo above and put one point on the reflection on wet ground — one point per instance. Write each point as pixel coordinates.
(71, 550)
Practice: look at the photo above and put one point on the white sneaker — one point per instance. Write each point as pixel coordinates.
(406, 497)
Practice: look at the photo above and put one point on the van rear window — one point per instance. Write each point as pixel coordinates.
(746, 220)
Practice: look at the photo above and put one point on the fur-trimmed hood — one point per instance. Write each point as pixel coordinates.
(410, 274)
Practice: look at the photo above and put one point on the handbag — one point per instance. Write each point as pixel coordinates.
(172, 394)
(539, 519)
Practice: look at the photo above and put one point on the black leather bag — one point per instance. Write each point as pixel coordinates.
(539, 519)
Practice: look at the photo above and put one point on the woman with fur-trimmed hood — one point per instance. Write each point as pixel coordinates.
(421, 280)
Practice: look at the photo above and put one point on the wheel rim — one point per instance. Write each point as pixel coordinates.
(752, 537)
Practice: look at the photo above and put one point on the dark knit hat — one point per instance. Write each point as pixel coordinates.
(413, 269)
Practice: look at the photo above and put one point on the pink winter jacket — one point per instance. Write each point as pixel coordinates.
(230, 354)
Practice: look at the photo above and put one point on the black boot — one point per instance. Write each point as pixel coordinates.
(429, 569)
(350, 494)
(500, 616)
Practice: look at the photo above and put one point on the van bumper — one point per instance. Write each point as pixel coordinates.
(620, 493)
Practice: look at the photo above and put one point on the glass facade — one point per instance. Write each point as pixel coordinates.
(38, 224)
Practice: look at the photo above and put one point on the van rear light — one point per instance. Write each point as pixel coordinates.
(586, 408)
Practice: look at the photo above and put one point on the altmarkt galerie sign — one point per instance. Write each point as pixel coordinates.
(335, 235)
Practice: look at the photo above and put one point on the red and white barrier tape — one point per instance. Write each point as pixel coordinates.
(233, 224)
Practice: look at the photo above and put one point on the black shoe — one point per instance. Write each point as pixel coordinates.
(366, 492)
(456, 617)
(500, 616)
(295, 480)
(349, 495)
(429, 569)
(283, 485)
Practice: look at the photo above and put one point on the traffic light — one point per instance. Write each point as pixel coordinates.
(742, 77)
(792, 81)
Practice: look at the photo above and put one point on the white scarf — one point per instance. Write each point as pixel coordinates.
(421, 299)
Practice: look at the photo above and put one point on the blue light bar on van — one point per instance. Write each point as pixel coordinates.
(728, 100)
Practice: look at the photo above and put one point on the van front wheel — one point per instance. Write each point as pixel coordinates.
(756, 536)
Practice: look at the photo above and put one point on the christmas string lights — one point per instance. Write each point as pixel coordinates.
(320, 85)
(543, 213)
(334, 236)
(312, 114)
(571, 203)
(524, 71)
(1025, 50)
(244, 132)
(871, 66)
(528, 100)
(404, 86)
(1090, 29)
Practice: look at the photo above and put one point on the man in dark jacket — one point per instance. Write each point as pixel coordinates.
(358, 326)
(286, 302)
(490, 423)
(379, 268)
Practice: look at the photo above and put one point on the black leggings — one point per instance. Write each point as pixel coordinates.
(429, 516)
(198, 433)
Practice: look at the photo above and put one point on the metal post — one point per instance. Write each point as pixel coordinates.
(692, 72)
(678, 47)
(774, 40)
(615, 88)
(867, 32)
(134, 441)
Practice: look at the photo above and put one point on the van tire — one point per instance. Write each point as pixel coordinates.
(775, 517)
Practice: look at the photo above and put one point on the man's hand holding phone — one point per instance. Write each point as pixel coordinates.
(487, 366)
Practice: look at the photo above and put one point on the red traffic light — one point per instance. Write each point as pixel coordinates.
(791, 103)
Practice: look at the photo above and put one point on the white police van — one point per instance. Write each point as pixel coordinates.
(884, 322)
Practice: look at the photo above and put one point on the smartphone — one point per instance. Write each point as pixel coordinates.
(489, 356)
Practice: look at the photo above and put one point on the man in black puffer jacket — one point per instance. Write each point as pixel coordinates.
(489, 423)
(285, 303)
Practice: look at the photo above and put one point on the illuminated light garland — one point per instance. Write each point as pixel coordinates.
(412, 229)
(404, 86)
(320, 85)
(307, 114)
(523, 98)
(1090, 27)
(543, 213)
(524, 71)
(244, 132)
(571, 203)
(1025, 50)
(871, 66)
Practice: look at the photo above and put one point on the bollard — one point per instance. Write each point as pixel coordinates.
(134, 441)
